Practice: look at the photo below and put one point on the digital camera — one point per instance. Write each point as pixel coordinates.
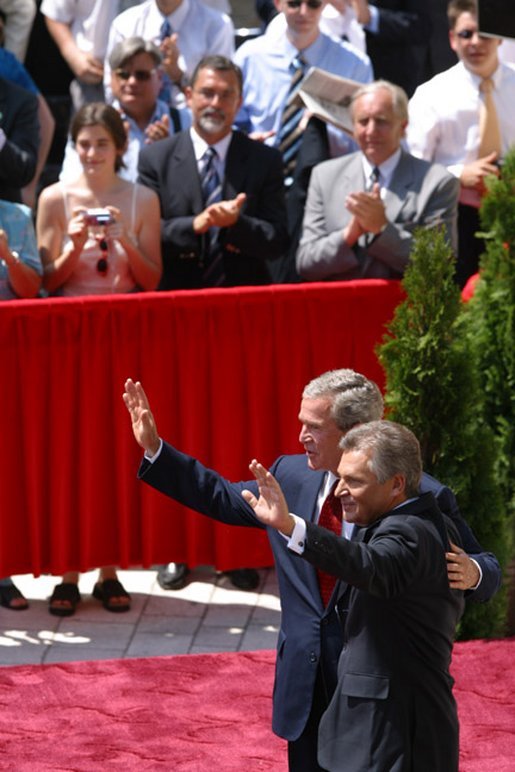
(98, 217)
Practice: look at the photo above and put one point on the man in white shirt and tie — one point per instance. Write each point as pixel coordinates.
(447, 115)
(362, 209)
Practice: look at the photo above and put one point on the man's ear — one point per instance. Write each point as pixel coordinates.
(452, 40)
(188, 94)
(398, 484)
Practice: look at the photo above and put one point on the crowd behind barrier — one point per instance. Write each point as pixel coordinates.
(79, 46)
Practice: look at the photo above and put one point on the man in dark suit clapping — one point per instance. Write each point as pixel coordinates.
(222, 199)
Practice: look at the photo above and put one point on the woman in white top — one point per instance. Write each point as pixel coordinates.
(114, 248)
(117, 250)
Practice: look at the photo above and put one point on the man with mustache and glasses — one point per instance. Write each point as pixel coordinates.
(136, 78)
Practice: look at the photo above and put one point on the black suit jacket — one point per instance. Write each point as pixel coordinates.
(19, 121)
(393, 707)
(169, 167)
(310, 637)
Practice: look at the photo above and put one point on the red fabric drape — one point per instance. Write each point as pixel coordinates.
(224, 370)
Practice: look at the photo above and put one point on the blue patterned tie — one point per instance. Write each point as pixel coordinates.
(289, 135)
(166, 86)
(165, 30)
(213, 272)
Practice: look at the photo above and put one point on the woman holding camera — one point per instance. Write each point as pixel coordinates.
(100, 234)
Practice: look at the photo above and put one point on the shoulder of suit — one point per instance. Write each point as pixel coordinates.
(165, 146)
(10, 90)
(423, 168)
(241, 140)
(335, 166)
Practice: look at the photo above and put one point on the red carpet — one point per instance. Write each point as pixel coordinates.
(208, 712)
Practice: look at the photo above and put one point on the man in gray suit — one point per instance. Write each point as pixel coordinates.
(362, 209)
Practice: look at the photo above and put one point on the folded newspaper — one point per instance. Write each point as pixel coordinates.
(327, 96)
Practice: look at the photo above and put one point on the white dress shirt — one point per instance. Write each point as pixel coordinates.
(297, 540)
(89, 21)
(444, 119)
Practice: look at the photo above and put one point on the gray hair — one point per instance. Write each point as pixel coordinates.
(129, 47)
(393, 449)
(356, 400)
(398, 96)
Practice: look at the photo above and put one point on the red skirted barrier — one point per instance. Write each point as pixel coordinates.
(224, 370)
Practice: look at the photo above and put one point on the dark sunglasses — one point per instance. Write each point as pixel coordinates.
(102, 262)
(468, 34)
(309, 3)
(140, 75)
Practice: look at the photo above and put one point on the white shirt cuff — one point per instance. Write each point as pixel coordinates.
(297, 540)
(480, 574)
(156, 455)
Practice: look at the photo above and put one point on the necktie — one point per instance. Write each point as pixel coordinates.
(489, 133)
(213, 275)
(331, 518)
(375, 176)
(290, 134)
(165, 30)
(166, 86)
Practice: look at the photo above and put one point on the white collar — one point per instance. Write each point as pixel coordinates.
(386, 169)
(200, 145)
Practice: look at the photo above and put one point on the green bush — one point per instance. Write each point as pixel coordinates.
(433, 386)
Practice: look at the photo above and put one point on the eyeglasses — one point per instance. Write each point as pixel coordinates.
(140, 75)
(102, 261)
(468, 34)
(310, 3)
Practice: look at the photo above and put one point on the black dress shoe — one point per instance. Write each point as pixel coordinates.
(172, 576)
(244, 578)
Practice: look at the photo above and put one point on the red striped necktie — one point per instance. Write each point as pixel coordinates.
(331, 516)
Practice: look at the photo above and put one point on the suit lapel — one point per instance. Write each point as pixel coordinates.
(402, 181)
(186, 171)
(236, 167)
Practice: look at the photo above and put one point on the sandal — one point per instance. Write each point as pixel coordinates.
(109, 589)
(9, 593)
(68, 592)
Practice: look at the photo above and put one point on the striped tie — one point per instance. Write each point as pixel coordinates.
(290, 134)
(213, 273)
(375, 176)
(166, 85)
(331, 516)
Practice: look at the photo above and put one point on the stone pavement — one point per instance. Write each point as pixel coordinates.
(207, 615)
